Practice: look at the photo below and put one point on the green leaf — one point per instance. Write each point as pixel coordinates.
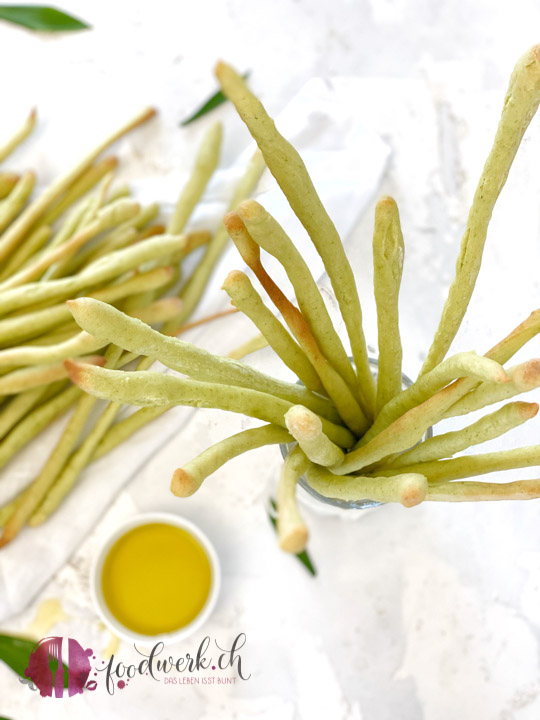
(15, 652)
(303, 556)
(213, 102)
(41, 18)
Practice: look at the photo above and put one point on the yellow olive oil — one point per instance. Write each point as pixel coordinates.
(156, 578)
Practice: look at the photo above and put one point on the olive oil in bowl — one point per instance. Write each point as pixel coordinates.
(156, 578)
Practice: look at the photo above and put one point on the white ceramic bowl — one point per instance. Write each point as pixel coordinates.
(97, 569)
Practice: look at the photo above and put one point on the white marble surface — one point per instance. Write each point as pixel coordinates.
(430, 613)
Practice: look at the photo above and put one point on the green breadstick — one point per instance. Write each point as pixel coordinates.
(409, 489)
(401, 435)
(464, 364)
(388, 253)
(34, 422)
(205, 164)
(35, 241)
(6, 511)
(56, 461)
(256, 343)
(287, 167)
(523, 378)
(74, 466)
(8, 180)
(80, 187)
(11, 206)
(147, 389)
(487, 428)
(101, 271)
(481, 491)
(520, 105)
(29, 377)
(306, 429)
(335, 386)
(270, 236)
(17, 328)
(291, 528)
(194, 288)
(244, 297)
(110, 216)
(18, 406)
(469, 465)
(189, 478)
(18, 230)
(19, 136)
(123, 235)
(105, 322)
(80, 344)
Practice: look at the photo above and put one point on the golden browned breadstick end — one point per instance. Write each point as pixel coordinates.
(183, 484)
(413, 490)
(527, 375)
(295, 540)
(76, 372)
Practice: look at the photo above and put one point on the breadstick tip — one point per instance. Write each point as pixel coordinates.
(295, 539)
(183, 484)
(413, 489)
(233, 221)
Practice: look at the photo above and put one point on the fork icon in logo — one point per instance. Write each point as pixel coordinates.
(56, 666)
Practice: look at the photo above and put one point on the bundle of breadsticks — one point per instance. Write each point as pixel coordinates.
(355, 437)
(84, 236)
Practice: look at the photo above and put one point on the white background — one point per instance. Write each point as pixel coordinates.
(428, 613)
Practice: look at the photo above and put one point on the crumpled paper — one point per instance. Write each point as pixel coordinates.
(346, 163)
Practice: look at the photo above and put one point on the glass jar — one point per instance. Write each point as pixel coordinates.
(310, 497)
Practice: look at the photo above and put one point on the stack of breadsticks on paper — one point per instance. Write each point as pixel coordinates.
(356, 437)
(85, 236)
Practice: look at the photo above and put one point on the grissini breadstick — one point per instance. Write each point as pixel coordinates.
(34, 422)
(388, 253)
(465, 364)
(100, 271)
(192, 291)
(205, 164)
(135, 336)
(243, 296)
(12, 205)
(8, 180)
(80, 187)
(291, 528)
(80, 344)
(520, 105)
(482, 491)
(306, 429)
(29, 377)
(487, 428)
(334, 385)
(400, 435)
(523, 378)
(187, 479)
(17, 231)
(149, 388)
(270, 236)
(409, 489)
(287, 167)
(19, 136)
(33, 243)
(470, 465)
(19, 327)
(35, 493)
(110, 216)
